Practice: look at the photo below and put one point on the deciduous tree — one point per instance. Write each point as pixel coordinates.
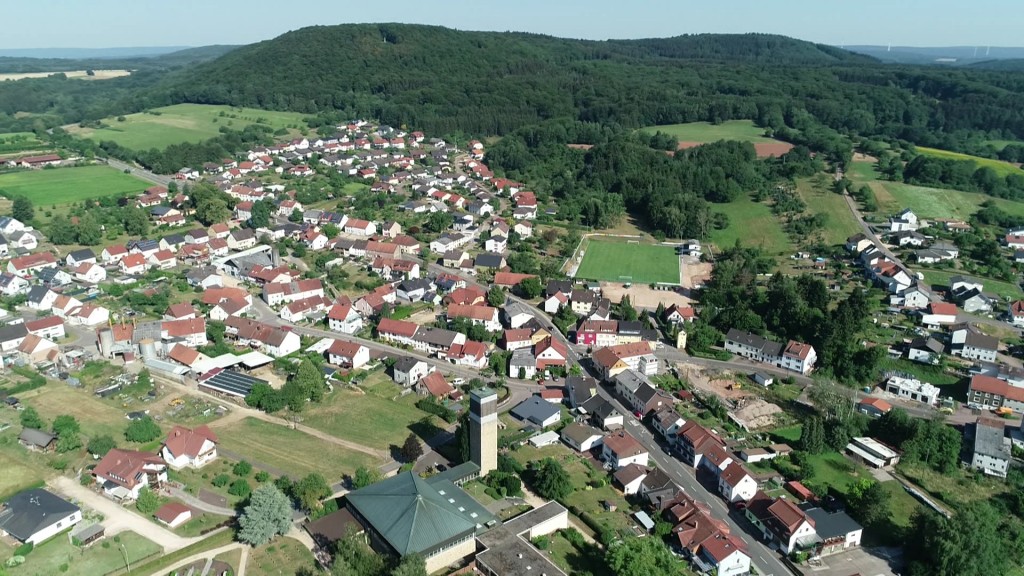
(142, 430)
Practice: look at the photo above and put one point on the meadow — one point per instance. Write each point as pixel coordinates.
(941, 203)
(707, 132)
(841, 222)
(753, 224)
(17, 143)
(941, 278)
(1001, 168)
(625, 262)
(161, 127)
(52, 187)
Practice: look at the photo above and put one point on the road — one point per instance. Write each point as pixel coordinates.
(138, 172)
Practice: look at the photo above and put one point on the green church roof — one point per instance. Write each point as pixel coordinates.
(412, 515)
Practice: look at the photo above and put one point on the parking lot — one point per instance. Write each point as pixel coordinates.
(862, 561)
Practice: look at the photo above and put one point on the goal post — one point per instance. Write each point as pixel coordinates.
(633, 242)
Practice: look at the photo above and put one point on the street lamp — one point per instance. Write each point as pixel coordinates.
(126, 562)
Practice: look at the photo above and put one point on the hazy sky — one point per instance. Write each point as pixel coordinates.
(118, 23)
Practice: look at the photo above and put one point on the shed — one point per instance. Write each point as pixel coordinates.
(644, 520)
(544, 439)
(762, 379)
(89, 534)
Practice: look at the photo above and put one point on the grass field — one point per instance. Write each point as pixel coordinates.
(96, 416)
(1000, 144)
(1001, 168)
(707, 132)
(287, 449)
(644, 263)
(64, 185)
(941, 203)
(841, 222)
(1003, 289)
(282, 556)
(57, 555)
(375, 417)
(183, 123)
(18, 142)
(862, 171)
(21, 469)
(753, 224)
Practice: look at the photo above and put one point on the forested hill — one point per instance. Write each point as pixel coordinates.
(763, 48)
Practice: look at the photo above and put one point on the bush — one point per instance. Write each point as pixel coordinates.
(432, 406)
(15, 561)
(64, 567)
(242, 469)
(262, 476)
(24, 549)
(574, 537)
(221, 480)
(542, 542)
(240, 488)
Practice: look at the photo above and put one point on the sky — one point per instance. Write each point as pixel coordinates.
(135, 23)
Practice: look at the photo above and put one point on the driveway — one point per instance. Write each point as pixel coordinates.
(117, 519)
(864, 561)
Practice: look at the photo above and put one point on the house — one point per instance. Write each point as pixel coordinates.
(990, 393)
(602, 413)
(974, 301)
(938, 314)
(50, 327)
(597, 333)
(522, 364)
(694, 440)
(349, 355)
(273, 340)
(37, 440)
(975, 345)
(858, 243)
(343, 317)
(510, 279)
(36, 515)
(396, 331)
(835, 531)
(874, 407)
(477, 315)
(523, 228)
(408, 370)
(496, 244)
(124, 473)
(357, 227)
(736, 484)
(435, 385)
(1015, 314)
(41, 298)
(82, 256)
(579, 389)
(925, 349)
(13, 285)
(724, 553)
(667, 422)
(913, 298)
(637, 356)
(24, 240)
(27, 265)
(549, 352)
(536, 411)
(990, 449)
(873, 452)
(904, 221)
(907, 238)
(173, 514)
(163, 259)
(629, 478)
(782, 523)
(795, 356)
(90, 273)
(275, 293)
(676, 314)
(912, 389)
(133, 264)
(189, 447)
(582, 438)
(241, 239)
(620, 449)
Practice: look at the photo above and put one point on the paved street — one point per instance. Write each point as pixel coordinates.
(137, 171)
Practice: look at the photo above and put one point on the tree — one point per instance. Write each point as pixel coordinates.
(147, 502)
(355, 557)
(260, 214)
(412, 449)
(869, 502)
(268, 514)
(530, 288)
(144, 380)
(812, 436)
(410, 565)
(295, 216)
(968, 544)
(68, 442)
(31, 419)
(551, 481)
(22, 209)
(142, 430)
(135, 221)
(364, 477)
(89, 232)
(438, 222)
(210, 210)
(330, 230)
(100, 445)
(61, 231)
(310, 491)
(626, 310)
(640, 557)
(310, 380)
(66, 424)
(242, 468)
(496, 296)
(240, 487)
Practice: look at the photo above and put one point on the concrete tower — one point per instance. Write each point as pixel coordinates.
(483, 429)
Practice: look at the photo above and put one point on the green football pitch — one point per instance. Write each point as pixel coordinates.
(629, 262)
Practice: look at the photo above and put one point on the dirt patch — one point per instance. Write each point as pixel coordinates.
(642, 296)
(859, 157)
(580, 146)
(267, 373)
(695, 273)
(763, 149)
(720, 383)
(80, 74)
(755, 414)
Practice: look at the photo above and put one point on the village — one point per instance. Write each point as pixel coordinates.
(435, 309)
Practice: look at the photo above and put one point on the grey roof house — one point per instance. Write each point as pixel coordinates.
(37, 515)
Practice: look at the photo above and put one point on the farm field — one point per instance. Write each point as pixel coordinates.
(841, 222)
(942, 203)
(1001, 168)
(290, 450)
(16, 143)
(625, 262)
(282, 556)
(51, 187)
(77, 74)
(753, 224)
(180, 123)
(374, 415)
(1002, 289)
(706, 132)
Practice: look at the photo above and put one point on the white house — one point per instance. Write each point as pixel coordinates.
(905, 220)
(343, 317)
(408, 370)
(348, 354)
(912, 389)
(736, 484)
(34, 516)
(124, 473)
(189, 447)
(620, 449)
(582, 438)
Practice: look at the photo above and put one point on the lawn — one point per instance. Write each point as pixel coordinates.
(232, 558)
(941, 203)
(283, 556)
(956, 488)
(56, 555)
(753, 224)
(1000, 167)
(21, 469)
(835, 471)
(95, 415)
(861, 171)
(841, 222)
(707, 132)
(573, 560)
(1000, 144)
(286, 449)
(625, 262)
(180, 123)
(374, 415)
(51, 187)
(1007, 290)
(789, 435)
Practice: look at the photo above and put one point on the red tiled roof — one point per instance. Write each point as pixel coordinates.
(344, 348)
(997, 387)
(397, 327)
(170, 511)
(183, 441)
(186, 327)
(942, 308)
(481, 313)
(123, 466)
(510, 278)
(622, 444)
(877, 403)
(436, 384)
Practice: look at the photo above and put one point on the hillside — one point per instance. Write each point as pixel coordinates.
(157, 61)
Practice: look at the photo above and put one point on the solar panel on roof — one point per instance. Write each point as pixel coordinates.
(233, 383)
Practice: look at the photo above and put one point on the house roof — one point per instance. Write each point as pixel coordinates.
(189, 442)
(410, 514)
(345, 348)
(186, 327)
(629, 474)
(788, 515)
(981, 383)
(945, 308)
(435, 383)
(990, 438)
(535, 409)
(123, 466)
(580, 433)
(397, 327)
(622, 444)
(27, 513)
(877, 403)
(36, 437)
(722, 545)
(170, 511)
(830, 525)
(734, 473)
(481, 313)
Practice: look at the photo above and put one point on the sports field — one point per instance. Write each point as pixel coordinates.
(624, 262)
(707, 132)
(56, 186)
(1000, 167)
(162, 127)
